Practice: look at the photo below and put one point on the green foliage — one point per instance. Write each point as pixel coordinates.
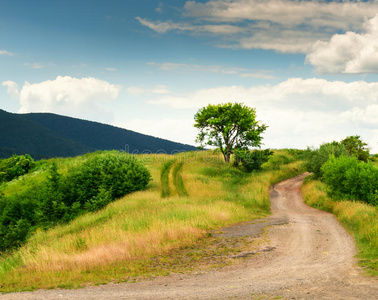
(356, 147)
(315, 158)
(252, 160)
(119, 174)
(347, 177)
(88, 187)
(228, 126)
(15, 166)
(99, 201)
(17, 216)
(52, 207)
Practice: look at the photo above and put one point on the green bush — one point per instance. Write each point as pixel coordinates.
(88, 187)
(17, 216)
(252, 160)
(15, 166)
(347, 177)
(119, 174)
(315, 158)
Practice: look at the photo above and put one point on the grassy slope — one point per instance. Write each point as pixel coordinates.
(119, 241)
(360, 219)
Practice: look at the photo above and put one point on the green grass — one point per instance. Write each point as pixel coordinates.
(178, 180)
(164, 178)
(119, 242)
(360, 219)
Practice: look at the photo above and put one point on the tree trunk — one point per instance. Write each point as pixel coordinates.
(227, 157)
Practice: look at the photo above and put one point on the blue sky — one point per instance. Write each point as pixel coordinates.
(308, 67)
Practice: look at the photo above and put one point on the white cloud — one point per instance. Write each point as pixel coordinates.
(68, 96)
(3, 52)
(348, 53)
(289, 13)
(38, 65)
(263, 75)
(157, 89)
(111, 69)
(186, 68)
(177, 130)
(12, 88)
(164, 27)
(299, 112)
(288, 26)
(367, 115)
(280, 39)
(308, 94)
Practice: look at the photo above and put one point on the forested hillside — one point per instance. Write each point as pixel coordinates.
(44, 135)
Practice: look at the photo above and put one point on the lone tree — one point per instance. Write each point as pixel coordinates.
(228, 126)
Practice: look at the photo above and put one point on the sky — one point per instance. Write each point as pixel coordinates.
(309, 68)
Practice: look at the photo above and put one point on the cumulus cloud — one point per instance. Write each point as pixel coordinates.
(367, 115)
(348, 53)
(288, 26)
(12, 88)
(306, 94)
(299, 112)
(66, 95)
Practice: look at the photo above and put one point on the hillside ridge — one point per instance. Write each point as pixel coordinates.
(45, 135)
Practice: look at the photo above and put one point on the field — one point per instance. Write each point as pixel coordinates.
(190, 195)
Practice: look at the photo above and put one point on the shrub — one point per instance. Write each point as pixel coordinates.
(118, 174)
(252, 160)
(88, 187)
(15, 166)
(315, 158)
(347, 177)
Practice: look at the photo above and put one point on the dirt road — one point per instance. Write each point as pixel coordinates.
(310, 257)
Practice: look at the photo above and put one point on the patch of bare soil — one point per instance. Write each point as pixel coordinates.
(306, 254)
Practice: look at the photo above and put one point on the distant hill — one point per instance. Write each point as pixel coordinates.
(45, 135)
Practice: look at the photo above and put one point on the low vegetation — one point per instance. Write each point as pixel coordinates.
(123, 240)
(15, 166)
(58, 198)
(345, 183)
(360, 219)
(349, 178)
(346, 168)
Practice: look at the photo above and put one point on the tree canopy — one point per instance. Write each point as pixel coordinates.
(356, 147)
(228, 126)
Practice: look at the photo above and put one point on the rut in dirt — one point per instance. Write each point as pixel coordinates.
(310, 256)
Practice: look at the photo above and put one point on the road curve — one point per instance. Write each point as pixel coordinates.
(312, 258)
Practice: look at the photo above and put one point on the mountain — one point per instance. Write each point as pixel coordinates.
(45, 135)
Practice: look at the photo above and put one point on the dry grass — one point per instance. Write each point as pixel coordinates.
(118, 242)
(360, 219)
